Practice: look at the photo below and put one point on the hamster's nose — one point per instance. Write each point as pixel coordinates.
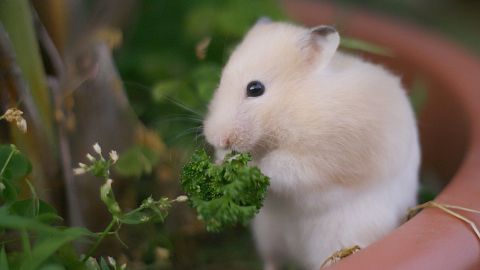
(226, 142)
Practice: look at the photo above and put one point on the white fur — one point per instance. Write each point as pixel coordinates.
(335, 134)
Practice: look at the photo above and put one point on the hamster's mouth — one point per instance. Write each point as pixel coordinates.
(258, 149)
(241, 149)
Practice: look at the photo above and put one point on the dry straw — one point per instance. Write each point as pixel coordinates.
(447, 208)
(338, 255)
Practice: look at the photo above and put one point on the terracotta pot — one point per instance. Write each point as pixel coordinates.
(450, 136)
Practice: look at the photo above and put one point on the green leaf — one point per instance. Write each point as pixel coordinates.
(229, 18)
(162, 90)
(35, 208)
(3, 260)
(53, 266)
(92, 264)
(10, 192)
(205, 78)
(13, 221)
(103, 264)
(47, 245)
(67, 255)
(49, 239)
(14, 166)
(361, 45)
(136, 161)
(18, 167)
(25, 208)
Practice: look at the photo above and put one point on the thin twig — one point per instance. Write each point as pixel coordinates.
(447, 209)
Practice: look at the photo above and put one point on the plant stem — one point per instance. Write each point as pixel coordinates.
(100, 239)
(26, 243)
(6, 162)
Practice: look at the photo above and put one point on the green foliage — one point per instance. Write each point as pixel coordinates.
(27, 218)
(49, 240)
(13, 167)
(225, 194)
(136, 161)
(33, 222)
(3, 259)
(150, 210)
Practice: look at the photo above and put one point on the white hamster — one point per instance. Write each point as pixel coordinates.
(335, 134)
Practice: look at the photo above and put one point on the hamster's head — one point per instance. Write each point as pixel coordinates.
(249, 111)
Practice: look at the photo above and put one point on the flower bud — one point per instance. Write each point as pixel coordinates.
(113, 156)
(181, 198)
(79, 171)
(90, 158)
(22, 125)
(97, 148)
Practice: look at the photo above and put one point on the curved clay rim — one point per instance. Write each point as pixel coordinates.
(432, 239)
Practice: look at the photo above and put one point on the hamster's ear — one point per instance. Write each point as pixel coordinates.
(323, 41)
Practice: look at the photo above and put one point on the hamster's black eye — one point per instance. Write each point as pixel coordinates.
(255, 89)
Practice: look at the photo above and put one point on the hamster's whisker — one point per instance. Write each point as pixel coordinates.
(186, 132)
(178, 119)
(182, 105)
(167, 97)
(198, 137)
(186, 115)
(140, 86)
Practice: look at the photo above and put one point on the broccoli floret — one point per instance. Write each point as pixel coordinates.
(225, 194)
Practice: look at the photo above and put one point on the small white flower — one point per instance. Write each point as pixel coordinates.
(90, 157)
(22, 124)
(162, 253)
(111, 261)
(145, 218)
(113, 156)
(2, 186)
(83, 166)
(97, 148)
(12, 114)
(15, 115)
(181, 198)
(79, 171)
